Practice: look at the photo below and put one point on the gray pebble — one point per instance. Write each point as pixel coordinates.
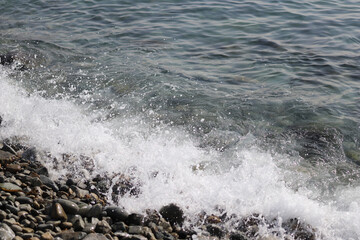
(48, 182)
(25, 207)
(5, 232)
(95, 236)
(136, 230)
(35, 182)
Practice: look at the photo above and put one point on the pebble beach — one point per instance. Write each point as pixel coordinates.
(34, 206)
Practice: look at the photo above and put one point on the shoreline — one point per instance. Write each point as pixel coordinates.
(33, 206)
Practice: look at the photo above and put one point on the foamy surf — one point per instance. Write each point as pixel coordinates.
(170, 166)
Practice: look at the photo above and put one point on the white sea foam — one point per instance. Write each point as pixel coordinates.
(195, 178)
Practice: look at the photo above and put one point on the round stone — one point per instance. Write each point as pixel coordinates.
(24, 200)
(69, 206)
(116, 213)
(10, 187)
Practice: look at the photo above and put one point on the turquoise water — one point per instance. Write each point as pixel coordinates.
(197, 82)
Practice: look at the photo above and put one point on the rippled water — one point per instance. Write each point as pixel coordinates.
(254, 105)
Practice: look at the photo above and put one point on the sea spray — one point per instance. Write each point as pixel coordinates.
(170, 166)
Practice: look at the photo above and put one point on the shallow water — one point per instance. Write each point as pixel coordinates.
(251, 105)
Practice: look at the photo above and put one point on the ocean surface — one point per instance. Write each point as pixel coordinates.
(253, 106)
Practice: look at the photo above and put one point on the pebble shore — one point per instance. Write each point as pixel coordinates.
(33, 206)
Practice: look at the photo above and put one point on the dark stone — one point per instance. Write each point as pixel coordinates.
(299, 229)
(103, 227)
(95, 211)
(238, 236)
(135, 219)
(116, 213)
(119, 226)
(45, 226)
(64, 188)
(84, 210)
(69, 206)
(79, 225)
(24, 200)
(35, 182)
(7, 59)
(11, 208)
(48, 182)
(173, 214)
(168, 236)
(57, 212)
(30, 154)
(70, 182)
(42, 171)
(215, 230)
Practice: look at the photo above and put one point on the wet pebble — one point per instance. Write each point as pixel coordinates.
(69, 206)
(215, 230)
(116, 213)
(135, 219)
(57, 212)
(95, 211)
(172, 213)
(48, 182)
(119, 226)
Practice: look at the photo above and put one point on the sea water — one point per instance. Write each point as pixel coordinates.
(253, 106)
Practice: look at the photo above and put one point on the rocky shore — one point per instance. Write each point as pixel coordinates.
(34, 206)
